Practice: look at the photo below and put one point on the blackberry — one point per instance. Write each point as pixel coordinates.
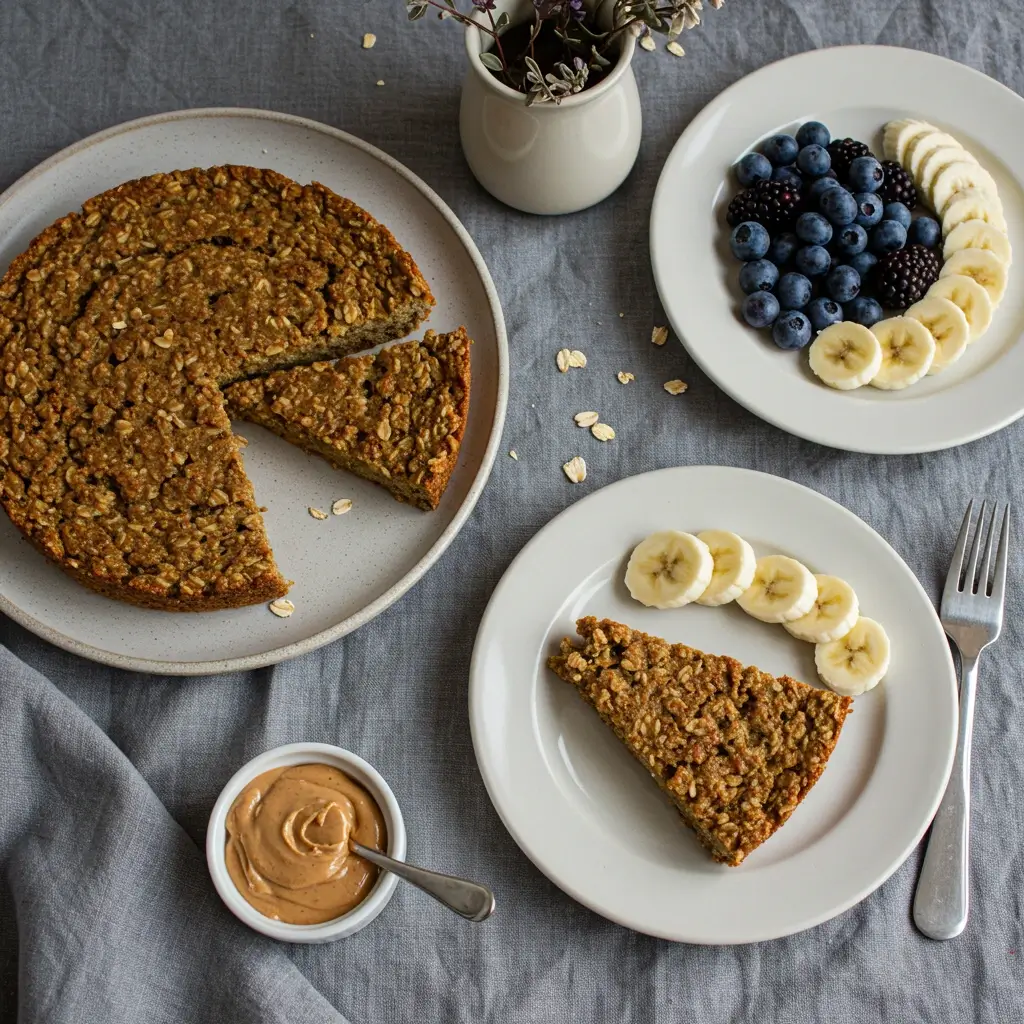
(843, 153)
(901, 278)
(771, 203)
(898, 186)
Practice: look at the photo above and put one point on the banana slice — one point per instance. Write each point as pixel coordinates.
(984, 266)
(928, 169)
(908, 349)
(948, 326)
(954, 178)
(669, 569)
(897, 136)
(972, 204)
(921, 147)
(834, 614)
(978, 234)
(845, 355)
(854, 663)
(782, 590)
(972, 299)
(735, 563)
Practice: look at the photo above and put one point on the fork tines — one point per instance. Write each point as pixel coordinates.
(991, 533)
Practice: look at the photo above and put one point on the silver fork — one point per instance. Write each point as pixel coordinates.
(972, 616)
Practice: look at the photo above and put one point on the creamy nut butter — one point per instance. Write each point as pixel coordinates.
(288, 843)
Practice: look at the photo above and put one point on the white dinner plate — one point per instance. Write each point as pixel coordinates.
(590, 817)
(348, 568)
(854, 90)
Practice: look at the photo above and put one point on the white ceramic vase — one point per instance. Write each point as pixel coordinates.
(548, 158)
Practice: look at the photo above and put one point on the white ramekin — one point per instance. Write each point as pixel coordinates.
(282, 757)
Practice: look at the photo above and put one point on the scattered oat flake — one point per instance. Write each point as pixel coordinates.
(380, 81)
(624, 377)
(675, 49)
(648, 43)
(659, 335)
(282, 607)
(317, 513)
(576, 470)
(562, 360)
(586, 419)
(675, 387)
(602, 432)
(341, 506)
(693, 790)
(119, 325)
(577, 359)
(512, 455)
(368, 40)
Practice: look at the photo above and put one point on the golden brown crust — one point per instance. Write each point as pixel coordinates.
(396, 418)
(734, 748)
(118, 324)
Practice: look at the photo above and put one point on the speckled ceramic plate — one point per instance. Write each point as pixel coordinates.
(589, 815)
(347, 568)
(854, 90)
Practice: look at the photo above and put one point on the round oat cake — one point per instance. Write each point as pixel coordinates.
(118, 327)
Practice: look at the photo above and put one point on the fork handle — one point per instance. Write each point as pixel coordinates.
(940, 903)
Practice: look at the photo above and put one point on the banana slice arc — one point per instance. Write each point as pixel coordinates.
(948, 327)
(972, 299)
(856, 662)
(972, 204)
(669, 569)
(782, 590)
(954, 178)
(845, 355)
(734, 566)
(928, 161)
(981, 264)
(898, 135)
(835, 612)
(978, 234)
(908, 350)
(921, 147)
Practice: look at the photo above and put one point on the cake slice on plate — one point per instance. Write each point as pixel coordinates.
(734, 748)
(396, 418)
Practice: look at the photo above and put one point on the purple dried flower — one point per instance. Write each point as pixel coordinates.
(484, 5)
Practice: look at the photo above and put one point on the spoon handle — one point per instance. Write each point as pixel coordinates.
(470, 900)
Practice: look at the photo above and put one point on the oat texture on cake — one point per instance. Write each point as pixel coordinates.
(734, 748)
(118, 327)
(396, 418)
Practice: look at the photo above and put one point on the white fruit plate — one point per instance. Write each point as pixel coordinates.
(854, 90)
(590, 817)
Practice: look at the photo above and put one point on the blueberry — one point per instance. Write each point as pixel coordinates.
(793, 290)
(897, 212)
(843, 283)
(850, 240)
(839, 206)
(870, 209)
(758, 276)
(753, 167)
(813, 229)
(823, 311)
(813, 161)
(865, 174)
(760, 309)
(789, 175)
(864, 311)
(812, 260)
(749, 240)
(780, 149)
(888, 236)
(925, 231)
(820, 186)
(791, 330)
(813, 133)
(783, 248)
(862, 263)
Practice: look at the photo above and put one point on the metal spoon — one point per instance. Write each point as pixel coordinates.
(470, 900)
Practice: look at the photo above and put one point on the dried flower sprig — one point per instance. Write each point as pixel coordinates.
(586, 49)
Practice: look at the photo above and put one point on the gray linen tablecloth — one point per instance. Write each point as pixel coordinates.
(106, 911)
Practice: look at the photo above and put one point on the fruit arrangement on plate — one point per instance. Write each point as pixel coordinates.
(671, 569)
(841, 256)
